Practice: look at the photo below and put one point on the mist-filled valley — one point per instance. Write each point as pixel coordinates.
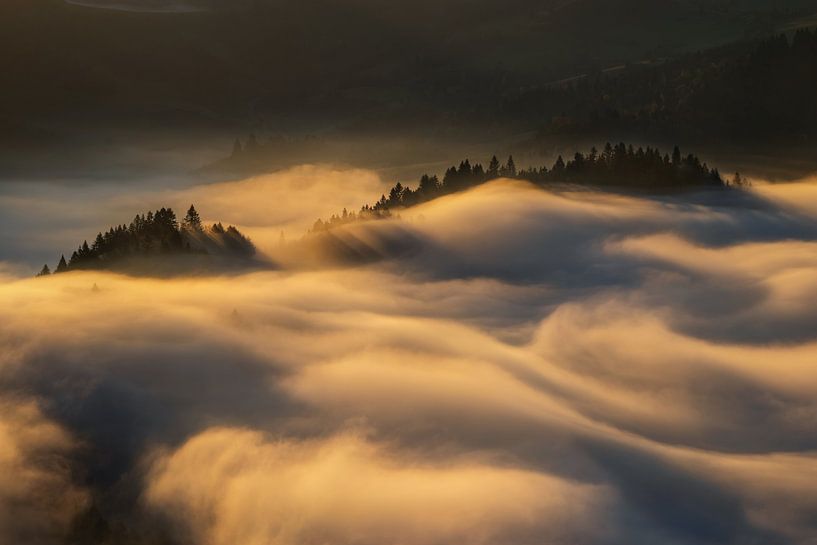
(429, 273)
(570, 365)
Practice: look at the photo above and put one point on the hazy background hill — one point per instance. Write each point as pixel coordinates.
(281, 57)
(438, 69)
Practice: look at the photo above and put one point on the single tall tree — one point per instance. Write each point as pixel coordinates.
(493, 168)
(62, 266)
(558, 166)
(192, 221)
(510, 168)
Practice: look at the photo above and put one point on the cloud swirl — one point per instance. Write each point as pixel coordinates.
(530, 366)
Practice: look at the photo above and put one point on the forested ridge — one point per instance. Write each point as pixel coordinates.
(744, 92)
(160, 233)
(456, 57)
(741, 93)
(156, 233)
(614, 166)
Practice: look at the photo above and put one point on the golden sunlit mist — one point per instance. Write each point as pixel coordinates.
(534, 366)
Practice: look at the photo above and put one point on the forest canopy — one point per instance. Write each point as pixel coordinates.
(156, 233)
(614, 166)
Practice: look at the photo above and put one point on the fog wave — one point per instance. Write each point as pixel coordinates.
(531, 366)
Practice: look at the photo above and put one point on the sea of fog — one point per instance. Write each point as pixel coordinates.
(506, 365)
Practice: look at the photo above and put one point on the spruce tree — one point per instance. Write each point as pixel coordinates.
(558, 166)
(510, 168)
(99, 243)
(45, 271)
(62, 266)
(493, 168)
(192, 221)
(396, 195)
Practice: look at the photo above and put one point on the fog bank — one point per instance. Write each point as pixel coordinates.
(560, 366)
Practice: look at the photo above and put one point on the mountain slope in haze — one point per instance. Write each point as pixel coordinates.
(334, 62)
(760, 93)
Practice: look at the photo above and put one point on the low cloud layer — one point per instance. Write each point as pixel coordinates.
(526, 367)
(345, 489)
(38, 499)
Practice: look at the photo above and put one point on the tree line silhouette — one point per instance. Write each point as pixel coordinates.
(155, 234)
(759, 92)
(614, 166)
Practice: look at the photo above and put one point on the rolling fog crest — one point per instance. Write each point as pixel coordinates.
(530, 366)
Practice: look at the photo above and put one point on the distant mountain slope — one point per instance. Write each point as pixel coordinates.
(244, 61)
(748, 93)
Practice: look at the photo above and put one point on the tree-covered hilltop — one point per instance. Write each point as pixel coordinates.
(613, 166)
(755, 94)
(156, 234)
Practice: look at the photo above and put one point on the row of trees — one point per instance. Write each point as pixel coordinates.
(155, 233)
(620, 165)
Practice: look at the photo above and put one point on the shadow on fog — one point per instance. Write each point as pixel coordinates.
(568, 240)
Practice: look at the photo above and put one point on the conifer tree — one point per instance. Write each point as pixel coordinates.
(510, 168)
(99, 243)
(192, 221)
(493, 168)
(559, 166)
(45, 271)
(396, 194)
(62, 266)
(428, 186)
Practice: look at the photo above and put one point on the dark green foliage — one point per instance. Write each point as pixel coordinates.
(619, 166)
(155, 234)
(45, 271)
